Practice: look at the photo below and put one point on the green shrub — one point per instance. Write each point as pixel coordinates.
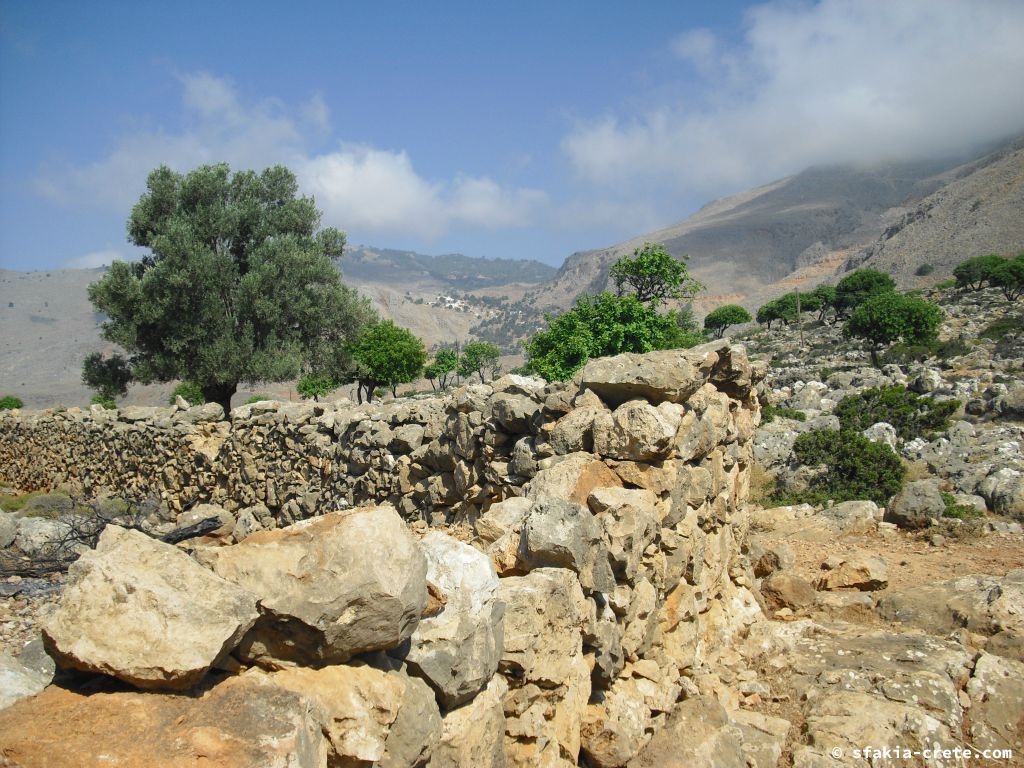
(998, 329)
(904, 354)
(10, 402)
(910, 414)
(947, 350)
(855, 467)
(102, 400)
(190, 392)
(959, 511)
(771, 412)
(924, 270)
(257, 399)
(945, 285)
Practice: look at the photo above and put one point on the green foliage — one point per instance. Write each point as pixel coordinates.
(772, 412)
(997, 330)
(945, 285)
(602, 325)
(1008, 276)
(440, 369)
(105, 402)
(947, 350)
(239, 284)
(479, 357)
(315, 386)
(109, 377)
(826, 297)
(911, 415)
(724, 316)
(958, 511)
(783, 309)
(256, 399)
(190, 392)
(855, 467)
(858, 286)
(903, 354)
(889, 317)
(974, 273)
(653, 275)
(386, 355)
(924, 270)
(10, 402)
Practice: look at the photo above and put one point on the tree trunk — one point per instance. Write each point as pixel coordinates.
(220, 394)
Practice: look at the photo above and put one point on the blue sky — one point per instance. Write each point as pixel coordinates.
(528, 129)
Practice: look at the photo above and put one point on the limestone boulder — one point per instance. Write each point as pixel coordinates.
(671, 375)
(8, 529)
(501, 518)
(386, 718)
(457, 650)
(575, 431)
(630, 521)
(1004, 492)
(474, 734)
(635, 431)
(330, 587)
(997, 703)
(238, 724)
(513, 412)
(768, 555)
(562, 534)
(861, 571)
(618, 727)
(19, 681)
(572, 478)
(787, 590)
(915, 504)
(146, 613)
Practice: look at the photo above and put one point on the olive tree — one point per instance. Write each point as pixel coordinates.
(721, 318)
(386, 355)
(653, 275)
(238, 284)
(891, 317)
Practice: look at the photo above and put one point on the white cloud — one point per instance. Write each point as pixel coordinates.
(363, 188)
(836, 81)
(94, 259)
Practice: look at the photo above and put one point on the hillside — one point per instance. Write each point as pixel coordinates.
(745, 247)
(49, 324)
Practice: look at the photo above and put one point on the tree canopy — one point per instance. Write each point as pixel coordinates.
(441, 368)
(478, 357)
(1008, 276)
(890, 317)
(858, 286)
(652, 274)
(386, 355)
(974, 273)
(109, 376)
(238, 285)
(721, 318)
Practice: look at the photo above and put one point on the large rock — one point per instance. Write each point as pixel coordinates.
(457, 650)
(575, 431)
(616, 728)
(513, 412)
(861, 571)
(372, 716)
(572, 478)
(916, 504)
(18, 681)
(635, 431)
(787, 590)
(997, 703)
(561, 534)
(630, 522)
(474, 734)
(145, 612)
(330, 587)
(238, 724)
(671, 375)
(1004, 492)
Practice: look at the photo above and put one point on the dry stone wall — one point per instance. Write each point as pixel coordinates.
(598, 572)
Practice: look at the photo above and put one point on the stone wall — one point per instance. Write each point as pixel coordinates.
(609, 508)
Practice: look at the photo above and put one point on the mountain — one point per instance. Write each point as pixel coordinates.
(755, 244)
(49, 325)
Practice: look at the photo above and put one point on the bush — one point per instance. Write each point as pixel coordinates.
(104, 401)
(911, 415)
(891, 317)
(771, 412)
(945, 285)
(10, 402)
(959, 511)
(903, 354)
(721, 318)
(999, 329)
(855, 467)
(1008, 276)
(947, 350)
(974, 273)
(191, 393)
(860, 285)
(256, 399)
(924, 270)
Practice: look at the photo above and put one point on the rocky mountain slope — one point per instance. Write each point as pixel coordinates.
(744, 247)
